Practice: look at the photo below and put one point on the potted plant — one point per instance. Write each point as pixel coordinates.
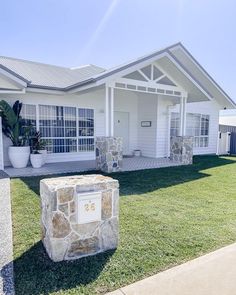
(12, 127)
(38, 153)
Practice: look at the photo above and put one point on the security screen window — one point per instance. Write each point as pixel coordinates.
(28, 115)
(59, 129)
(86, 129)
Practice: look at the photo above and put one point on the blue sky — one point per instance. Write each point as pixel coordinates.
(111, 32)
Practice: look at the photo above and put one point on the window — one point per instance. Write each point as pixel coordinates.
(174, 124)
(197, 125)
(28, 115)
(58, 127)
(86, 129)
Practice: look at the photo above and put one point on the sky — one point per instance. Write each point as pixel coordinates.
(110, 32)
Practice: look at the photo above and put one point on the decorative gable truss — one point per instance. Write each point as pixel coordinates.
(149, 79)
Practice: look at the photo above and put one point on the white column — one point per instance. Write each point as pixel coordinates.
(112, 112)
(107, 116)
(37, 117)
(183, 101)
(181, 116)
(184, 115)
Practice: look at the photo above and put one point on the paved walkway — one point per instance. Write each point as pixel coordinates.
(6, 264)
(211, 274)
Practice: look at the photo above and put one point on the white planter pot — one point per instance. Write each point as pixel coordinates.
(137, 153)
(44, 153)
(19, 156)
(36, 160)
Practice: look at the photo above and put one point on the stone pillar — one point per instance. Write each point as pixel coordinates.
(109, 154)
(181, 149)
(79, 215)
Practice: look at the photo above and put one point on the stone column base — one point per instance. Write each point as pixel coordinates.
(181, 149)
(109, 154)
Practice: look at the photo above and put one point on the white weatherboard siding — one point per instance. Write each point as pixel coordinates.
(147, 111)
(127, 101)
(163, 127)
(94, 100)
(212, 109)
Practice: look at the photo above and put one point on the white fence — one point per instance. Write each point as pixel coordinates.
(223, 143)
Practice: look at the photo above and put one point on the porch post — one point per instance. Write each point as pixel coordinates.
(112, 112)
(107, 111)
(183, 101)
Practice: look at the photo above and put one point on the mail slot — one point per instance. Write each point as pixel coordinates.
(88, 207)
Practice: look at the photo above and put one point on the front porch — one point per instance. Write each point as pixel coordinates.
(129, 164)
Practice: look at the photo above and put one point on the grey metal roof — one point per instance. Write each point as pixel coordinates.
(46, 76)
(49, 76)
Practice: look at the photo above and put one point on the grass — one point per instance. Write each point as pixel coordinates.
(167, 216)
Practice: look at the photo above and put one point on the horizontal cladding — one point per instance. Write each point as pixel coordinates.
(162, 128)
(147, 111)
(122, 104)
(69, 157)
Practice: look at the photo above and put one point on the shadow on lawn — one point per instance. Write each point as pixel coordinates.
(36, 274)
(144, 181)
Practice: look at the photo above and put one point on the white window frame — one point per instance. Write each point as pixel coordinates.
(64, 137)
(199, 127)
(77, 138)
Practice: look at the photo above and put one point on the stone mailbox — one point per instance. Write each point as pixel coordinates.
(79, 215)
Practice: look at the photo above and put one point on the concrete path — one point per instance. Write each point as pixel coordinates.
(211, 274)
(6, 258)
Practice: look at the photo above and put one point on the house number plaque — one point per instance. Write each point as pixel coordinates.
(88, 207)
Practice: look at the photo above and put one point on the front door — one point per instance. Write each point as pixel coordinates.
(121, 129)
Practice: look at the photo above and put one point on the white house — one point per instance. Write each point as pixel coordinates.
(144, 101)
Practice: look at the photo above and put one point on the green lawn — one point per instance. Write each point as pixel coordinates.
(167, 216)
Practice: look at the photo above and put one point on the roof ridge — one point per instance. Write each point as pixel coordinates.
(33, 62)
(47, 64)
(84, 66)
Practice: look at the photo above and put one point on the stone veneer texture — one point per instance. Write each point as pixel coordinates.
(181, 149)
(62, 236)
(109, 154)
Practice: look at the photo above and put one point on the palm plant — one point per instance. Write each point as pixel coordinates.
(12, 123)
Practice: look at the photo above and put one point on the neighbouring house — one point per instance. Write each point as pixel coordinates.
(144, 101)
(227, 132)
(227, 121)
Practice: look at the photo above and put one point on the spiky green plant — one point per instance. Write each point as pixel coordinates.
(36, 143)
(12, 123)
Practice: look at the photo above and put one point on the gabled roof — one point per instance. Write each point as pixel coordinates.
(44, 75)
(176, 58)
